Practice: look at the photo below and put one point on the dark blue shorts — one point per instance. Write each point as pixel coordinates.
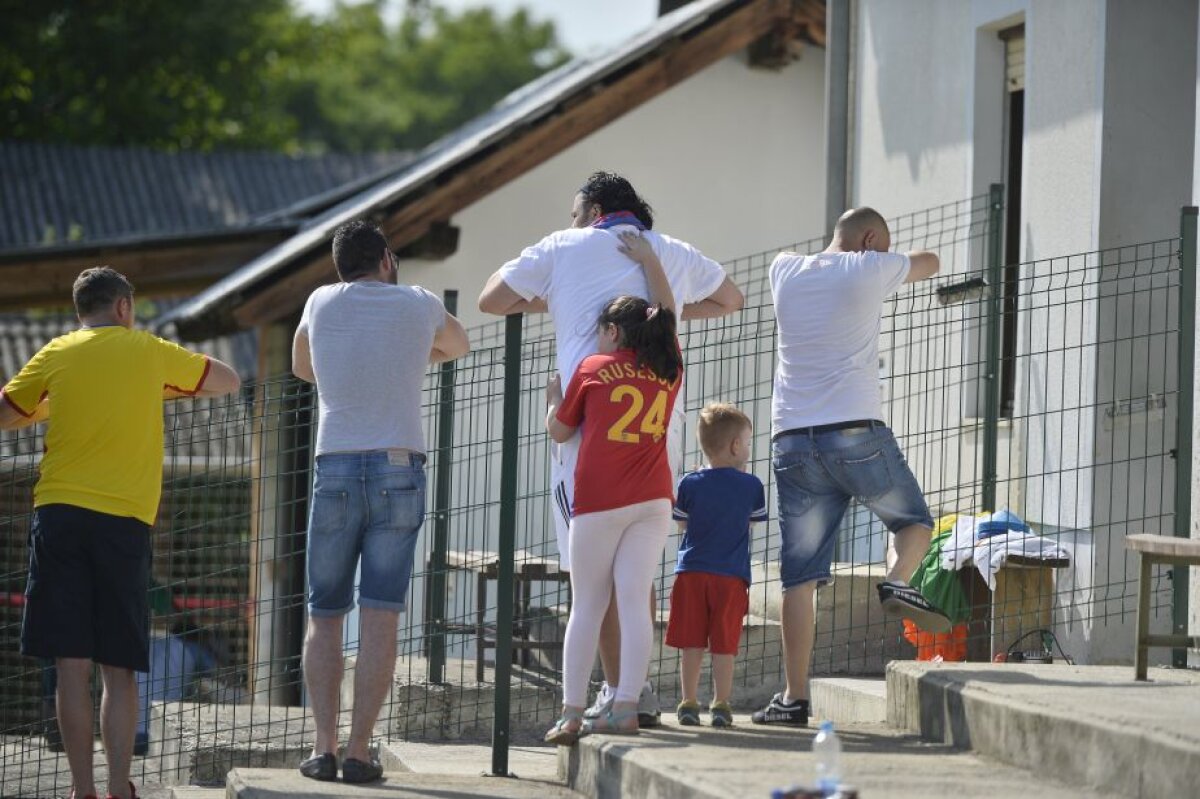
(86, 596)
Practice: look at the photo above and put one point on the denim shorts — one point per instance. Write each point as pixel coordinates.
(363, 505)
(816, 476)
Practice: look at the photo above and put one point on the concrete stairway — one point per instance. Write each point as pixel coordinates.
(997, 730)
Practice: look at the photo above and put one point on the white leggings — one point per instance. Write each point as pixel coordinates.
(619, 550)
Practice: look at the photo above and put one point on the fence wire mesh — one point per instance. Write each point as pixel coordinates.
(1082, 452)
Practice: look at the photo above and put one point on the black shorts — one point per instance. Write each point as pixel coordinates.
(89, 576)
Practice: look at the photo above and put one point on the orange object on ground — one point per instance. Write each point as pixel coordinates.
(951, 646)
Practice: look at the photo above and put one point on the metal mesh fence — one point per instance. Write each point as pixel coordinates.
(1083, 453)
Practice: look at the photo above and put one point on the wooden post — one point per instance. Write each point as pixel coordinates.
(278, 500)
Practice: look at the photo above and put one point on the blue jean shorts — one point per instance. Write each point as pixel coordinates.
(816, 476)
(363, 506)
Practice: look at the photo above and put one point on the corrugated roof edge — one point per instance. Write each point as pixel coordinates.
(521, 107)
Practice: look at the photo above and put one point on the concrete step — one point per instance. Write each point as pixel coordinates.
(849, 700)
(196, 742)
(264, 783)
(674, 762)
(853, 635)
(528, 762)
(1090, 725)
(195, 792)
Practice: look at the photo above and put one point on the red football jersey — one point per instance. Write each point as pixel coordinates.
(624, 411)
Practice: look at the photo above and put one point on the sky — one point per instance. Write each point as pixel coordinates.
(585, 27)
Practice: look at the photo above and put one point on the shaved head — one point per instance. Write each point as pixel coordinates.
(861, 229)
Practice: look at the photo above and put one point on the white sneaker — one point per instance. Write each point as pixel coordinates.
(604, 700)
(648, 709)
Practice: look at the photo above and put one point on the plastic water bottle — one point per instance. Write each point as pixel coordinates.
(827, 751)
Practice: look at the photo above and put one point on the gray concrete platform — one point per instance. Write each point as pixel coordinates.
(674, 762)
(1090, 725)
(258, 783)
(849, 700)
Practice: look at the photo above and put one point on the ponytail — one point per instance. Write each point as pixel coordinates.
(648, 330)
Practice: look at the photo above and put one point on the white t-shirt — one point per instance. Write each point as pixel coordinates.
(370, 344)
(578, 270)
(827, 309)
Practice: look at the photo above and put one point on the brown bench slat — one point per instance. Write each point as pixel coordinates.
(1166, 545)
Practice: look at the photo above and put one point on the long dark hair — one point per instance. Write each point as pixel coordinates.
(648, 330)
(614, 193)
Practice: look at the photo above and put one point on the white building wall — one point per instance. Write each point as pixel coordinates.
(1194, 580)
(732, 160)
(1107, 159)
(1147, 142)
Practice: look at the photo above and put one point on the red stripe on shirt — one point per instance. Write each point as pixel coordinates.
(199, 383)
(13, 403)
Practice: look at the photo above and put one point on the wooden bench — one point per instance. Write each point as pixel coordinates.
(1158, 549)
(527, 569)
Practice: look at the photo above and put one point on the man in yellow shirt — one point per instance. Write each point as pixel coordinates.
(94, 503)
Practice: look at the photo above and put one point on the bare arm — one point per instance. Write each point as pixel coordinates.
(558, 431)
(922, 266)
(220, 380)
(637, 247)
(450, 342)
(302, 357)
(725, 300)
(12, 419)
(499, 298)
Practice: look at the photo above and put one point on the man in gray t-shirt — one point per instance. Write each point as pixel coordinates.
(366, 343)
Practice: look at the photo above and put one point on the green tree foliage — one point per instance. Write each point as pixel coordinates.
(257, 73)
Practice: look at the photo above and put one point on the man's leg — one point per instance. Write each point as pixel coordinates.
(799, 629)
(610, 639)
(911, 544)
(323, 667)
(74, 698)
(118, 720)
(610, 644)
(373, 673)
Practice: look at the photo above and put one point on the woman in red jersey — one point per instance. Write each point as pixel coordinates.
(622, 397)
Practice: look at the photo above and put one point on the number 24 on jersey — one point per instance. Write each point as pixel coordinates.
(653, 422)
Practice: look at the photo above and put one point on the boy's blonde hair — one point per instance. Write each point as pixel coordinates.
(720, 423)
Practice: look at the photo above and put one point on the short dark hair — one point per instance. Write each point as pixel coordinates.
(358, 247)
(97, 288)
(720, 423)
(614, 193)
(857, 221)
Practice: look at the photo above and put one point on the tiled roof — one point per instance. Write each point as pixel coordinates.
(59, 194)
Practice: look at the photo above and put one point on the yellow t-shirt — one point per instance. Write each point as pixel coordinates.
(104, 444)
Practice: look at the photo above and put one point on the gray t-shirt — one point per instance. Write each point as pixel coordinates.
(370, 346)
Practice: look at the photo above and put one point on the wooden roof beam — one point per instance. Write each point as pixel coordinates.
(514, 157)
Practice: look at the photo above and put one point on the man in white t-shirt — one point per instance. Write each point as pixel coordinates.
(367, 344)
(572, 274)
(829, 443)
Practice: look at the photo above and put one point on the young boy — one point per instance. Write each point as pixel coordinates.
(714, 508)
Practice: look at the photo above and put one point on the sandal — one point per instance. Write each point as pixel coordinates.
(610, 723)
(566, 730)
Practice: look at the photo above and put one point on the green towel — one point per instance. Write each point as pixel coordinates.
(939, 586)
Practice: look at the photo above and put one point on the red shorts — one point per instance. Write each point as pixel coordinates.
(707, 612)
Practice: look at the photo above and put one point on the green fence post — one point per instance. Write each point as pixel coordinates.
(994, 330)
(1184, 422)
(435, 626)
(508, 538)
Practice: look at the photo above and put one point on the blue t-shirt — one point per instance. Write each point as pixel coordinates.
(718, 506)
